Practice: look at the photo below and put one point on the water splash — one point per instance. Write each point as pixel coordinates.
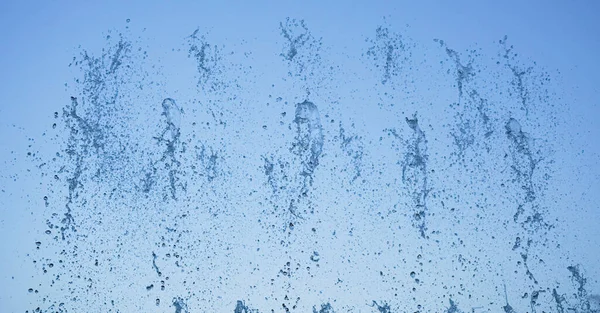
(182, 198)
(308, 143)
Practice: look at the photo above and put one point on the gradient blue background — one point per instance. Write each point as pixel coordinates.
(40, 38)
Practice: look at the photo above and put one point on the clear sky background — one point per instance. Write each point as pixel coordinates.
(40, 39)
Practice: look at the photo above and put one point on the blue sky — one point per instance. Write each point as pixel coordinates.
(561, 37)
